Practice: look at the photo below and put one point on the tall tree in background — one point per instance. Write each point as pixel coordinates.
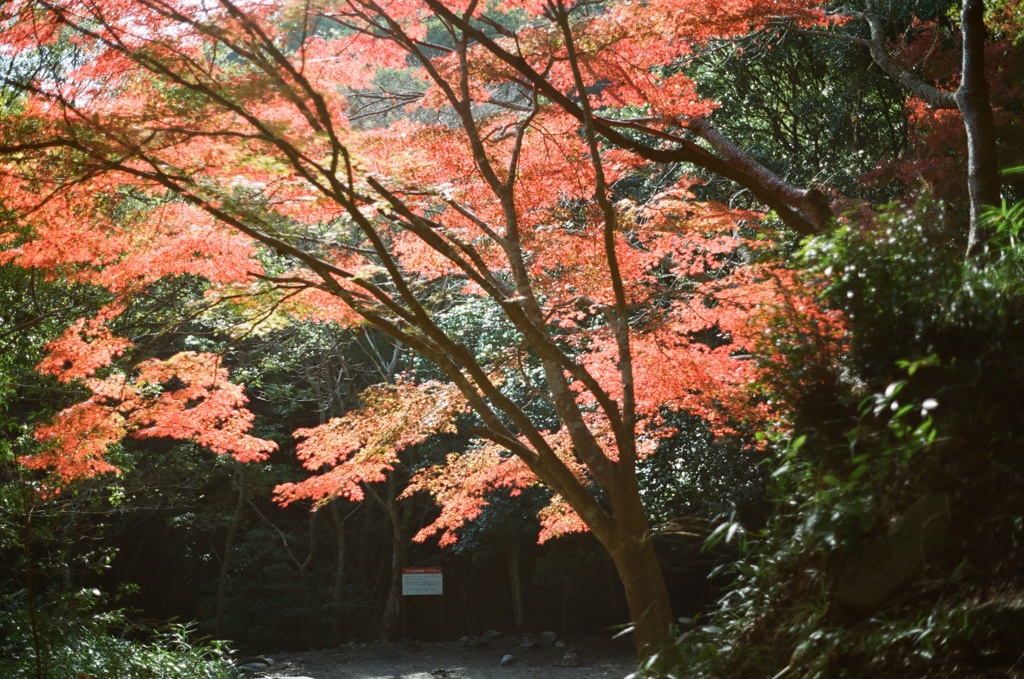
(157, 138)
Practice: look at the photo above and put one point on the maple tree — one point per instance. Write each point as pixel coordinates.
(159, 138)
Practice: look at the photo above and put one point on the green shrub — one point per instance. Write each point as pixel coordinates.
(68, 638)
(926, 400)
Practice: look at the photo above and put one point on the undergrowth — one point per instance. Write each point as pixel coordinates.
(70, 638)
(924, 402)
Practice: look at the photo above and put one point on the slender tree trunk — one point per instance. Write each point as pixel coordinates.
(515, 576)
(229, 547)
(464, 598)
(338, 593)
(304, 589)
(389, 627)
(972, 98)
(40, 664)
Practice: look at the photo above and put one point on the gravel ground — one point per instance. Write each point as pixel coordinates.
(596, 658)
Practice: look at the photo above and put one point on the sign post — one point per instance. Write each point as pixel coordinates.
(422, 581)
(428, 581)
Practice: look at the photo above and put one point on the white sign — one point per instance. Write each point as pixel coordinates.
(422, 581)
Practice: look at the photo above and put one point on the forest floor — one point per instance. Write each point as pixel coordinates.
(598, 659)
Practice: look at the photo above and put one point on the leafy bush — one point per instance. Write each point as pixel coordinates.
(67, 637)
(925, 400)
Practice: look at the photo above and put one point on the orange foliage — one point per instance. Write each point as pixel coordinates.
(361, 446)
(85, 347)
(461, 485)
(187, 397)
(159, 156)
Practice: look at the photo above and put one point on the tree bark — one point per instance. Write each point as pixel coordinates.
(515, 576)
(39, 665)
(389, 627)
(972, 98)
(229, 547)
(810, 203)
(631, 550)
(646, 594)
(340, 568)
(304, 588)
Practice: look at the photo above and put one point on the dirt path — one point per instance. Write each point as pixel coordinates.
(597, 658)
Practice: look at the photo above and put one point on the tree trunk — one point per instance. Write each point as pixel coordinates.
(515, 575)
(338, 591)
(389, 626)
(972, 98)
(649, 607)
(40, 665)
(229, 547)
(304, 588)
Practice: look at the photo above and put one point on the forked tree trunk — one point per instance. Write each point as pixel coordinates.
(972, 98)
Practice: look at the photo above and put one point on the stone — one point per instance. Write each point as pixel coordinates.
(548, 638)
(559, 644)
(570, 659)
(253, 667)
(891, 562)
(469, 642)
(507, 660)
(255, 663)
(490, 635)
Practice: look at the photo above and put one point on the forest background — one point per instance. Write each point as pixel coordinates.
(724, 297)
